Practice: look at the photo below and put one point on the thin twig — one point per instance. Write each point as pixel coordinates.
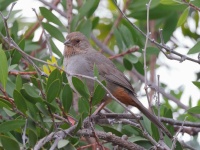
(47, 36)
(160, 46)
(141, 77)
(116, 23)
(22, 73)
(191, 5)
(52, 7)
(145, 46)
(131, 50)
(143, 130)
(158, 104)
(176, 136)
(110, 138)
(69, 14)
(5, 19)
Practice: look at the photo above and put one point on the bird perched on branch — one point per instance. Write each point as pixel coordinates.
(80, 57)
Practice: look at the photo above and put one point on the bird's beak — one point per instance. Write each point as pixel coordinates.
(67, 42)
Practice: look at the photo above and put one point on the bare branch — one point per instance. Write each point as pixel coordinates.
(160, 46)
(47, 36)
(110, 138)
(69, 14)
(131, 50)
(116, 23)
(135, 73)
(53, 7)
(191, 5)
(5, 19)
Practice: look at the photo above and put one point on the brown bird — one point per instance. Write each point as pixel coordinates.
(80, 57)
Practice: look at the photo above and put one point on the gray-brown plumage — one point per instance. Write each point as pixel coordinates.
(80, 57)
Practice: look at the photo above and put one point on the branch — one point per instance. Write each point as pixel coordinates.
(176, 136)
(5, 19)
(141, 128)
(52, 7)
(116, 23)
(135, 73)
(191, 5)
(145, 48)
(131, 50)
(69, 14)
(110, 138)
(160, 46)
(47, 36)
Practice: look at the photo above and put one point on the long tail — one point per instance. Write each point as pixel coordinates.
(151, 117)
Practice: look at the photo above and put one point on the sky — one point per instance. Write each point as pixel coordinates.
(173, 73)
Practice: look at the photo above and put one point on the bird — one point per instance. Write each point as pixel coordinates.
(80, 57)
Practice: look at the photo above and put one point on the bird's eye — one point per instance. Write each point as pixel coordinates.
(77, 41)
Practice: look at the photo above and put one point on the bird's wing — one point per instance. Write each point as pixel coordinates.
(108, 71)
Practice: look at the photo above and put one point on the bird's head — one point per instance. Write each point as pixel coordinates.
(76, 41)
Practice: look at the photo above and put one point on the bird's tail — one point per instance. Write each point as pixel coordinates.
(152, 117)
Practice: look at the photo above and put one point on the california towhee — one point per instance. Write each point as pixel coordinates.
(80, 57)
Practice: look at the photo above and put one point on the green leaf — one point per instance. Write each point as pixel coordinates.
(19, 101)
(155, 132)
(126, 35)
(11, 125)
(83, 105)
(18, 82)
(42, 108)
(74, 23)
(55, 74)
(67, 97)
(93, 8)
(62, 143)
(29, 97)
(4, 4)
(53, 90)
(4, 104)
(139, 67)
(194, 110)
(118, 38)
(46, 13)
(183, 17)
(127, 64)
(195, 48)
(96, 74)
(31, 90)
(10, 87)
(98, 95)
(78, 125)
(16, 56)
(147, 124)
(169, 2)
(9, 112)
(112, 130)
(64, 77)
(9, 143)
(87, 10)
(197, 84)
(80, 87)
(95, 22)
(170, 26)
(85, 27)
(32, 136)
(54, 32)
(152, 50)
(3, 68)
(70, 147)
(54, 48)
